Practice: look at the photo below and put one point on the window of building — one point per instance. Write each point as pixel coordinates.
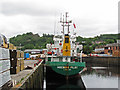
(116, 48)
(113, 47)
(106, 47)
(110, 51)
(110, 47)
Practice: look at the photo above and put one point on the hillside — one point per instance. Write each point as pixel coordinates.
(108, 38)
(31, 41)
(90, 43)
(34, 41)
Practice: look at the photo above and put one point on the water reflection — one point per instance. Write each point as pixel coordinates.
(100, 77)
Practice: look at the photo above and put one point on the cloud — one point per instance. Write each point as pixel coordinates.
(92, 17)
(20, 17)
(28, 8)
(13, 25)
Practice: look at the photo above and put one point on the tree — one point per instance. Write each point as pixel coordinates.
(110, 41)
(87, 49)
(29, 46)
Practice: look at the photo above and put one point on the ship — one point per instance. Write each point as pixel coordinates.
(64, 56)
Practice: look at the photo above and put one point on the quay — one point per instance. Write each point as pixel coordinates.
(29, 78)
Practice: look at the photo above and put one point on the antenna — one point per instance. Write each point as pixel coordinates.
(66, 21)
(66, 17)
(62, 23)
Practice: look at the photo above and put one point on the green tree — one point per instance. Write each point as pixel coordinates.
(109, 41)
(87, 49)
(29, 46)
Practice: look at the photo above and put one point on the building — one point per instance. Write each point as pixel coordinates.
(34, 51)
(98, 42)
(109, 49)
(99, 50)
(35, 54)
(113, 49)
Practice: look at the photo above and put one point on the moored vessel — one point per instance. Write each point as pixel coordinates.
(65, 55)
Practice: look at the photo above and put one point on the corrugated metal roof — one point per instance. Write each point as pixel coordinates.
(113, 44)
(33, 50)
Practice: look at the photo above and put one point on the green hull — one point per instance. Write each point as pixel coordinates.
(66, 68)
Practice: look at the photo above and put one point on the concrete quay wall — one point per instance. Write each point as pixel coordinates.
(104, 61)
(34, 80)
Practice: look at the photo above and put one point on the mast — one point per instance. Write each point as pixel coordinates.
(62, 23)
(66, 23)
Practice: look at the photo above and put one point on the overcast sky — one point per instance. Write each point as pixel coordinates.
(92, 17)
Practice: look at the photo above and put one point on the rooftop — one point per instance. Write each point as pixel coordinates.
(113, 44)
(33, 50)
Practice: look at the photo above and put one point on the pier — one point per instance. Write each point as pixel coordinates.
(29, 78)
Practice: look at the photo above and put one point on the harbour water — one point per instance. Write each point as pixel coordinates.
(97, 76)
(101, 77)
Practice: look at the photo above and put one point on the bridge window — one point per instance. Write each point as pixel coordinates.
(66, 40)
